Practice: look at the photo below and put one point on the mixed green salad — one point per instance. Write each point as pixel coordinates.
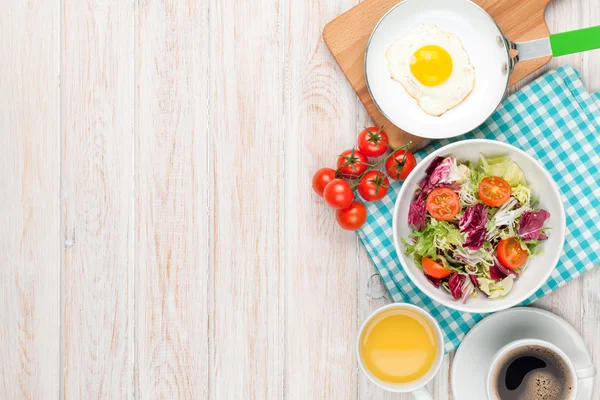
(475, 226)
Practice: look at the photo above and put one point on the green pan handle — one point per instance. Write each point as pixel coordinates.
(575, 41)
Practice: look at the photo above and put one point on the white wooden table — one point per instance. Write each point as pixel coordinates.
(158, 234)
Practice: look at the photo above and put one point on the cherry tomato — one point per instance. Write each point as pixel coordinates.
(443, 204)
(433, 269)
(400, 164)
(338, 194)
(511, 254)
(321, 178)
(494, 191)
(373, 186)
(373, 142)
(353, 217)
(352, 163)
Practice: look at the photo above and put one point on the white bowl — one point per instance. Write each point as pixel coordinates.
(540, 267)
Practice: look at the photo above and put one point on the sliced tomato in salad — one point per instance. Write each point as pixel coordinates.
(443, 204)
(511, 254)
(494, 191)
(434, 269)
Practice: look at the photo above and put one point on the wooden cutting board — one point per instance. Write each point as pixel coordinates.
(347, 36)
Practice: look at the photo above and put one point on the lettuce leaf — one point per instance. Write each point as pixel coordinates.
(496, 289)
(506, 216)
(483, 256)
(447, 236)
(468, 193)
(534, 247)
(523, 194)
(503, 167)
(436, 235)
(513, 174)
(459, 173)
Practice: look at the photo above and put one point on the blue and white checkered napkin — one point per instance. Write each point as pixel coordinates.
(555, 120)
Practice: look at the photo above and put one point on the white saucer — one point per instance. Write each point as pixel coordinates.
(473, 357)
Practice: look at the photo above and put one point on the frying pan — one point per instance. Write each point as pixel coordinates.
(489, 52)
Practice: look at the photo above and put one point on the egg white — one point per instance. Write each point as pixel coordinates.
(434, 100)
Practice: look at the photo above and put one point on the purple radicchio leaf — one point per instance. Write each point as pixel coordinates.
(450, 185)
(472, 225)
(474, 218)
(475, 239)
(532, 223)
(455, 284)
(437, 172)
(465, 260)
(496, 273)
(468, 289)
(434, 163)
(506, 271)
(416, 212)
(440, 174)
(434, 281)
(499, 272)
(509, 271)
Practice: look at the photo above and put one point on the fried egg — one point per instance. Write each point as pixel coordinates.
(433, 67)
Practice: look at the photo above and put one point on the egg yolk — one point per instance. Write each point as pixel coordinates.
(431, 65)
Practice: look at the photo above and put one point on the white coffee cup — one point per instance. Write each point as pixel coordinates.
(415, 387)
(575, 375)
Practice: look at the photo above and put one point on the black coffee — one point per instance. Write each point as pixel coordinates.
(531, 373)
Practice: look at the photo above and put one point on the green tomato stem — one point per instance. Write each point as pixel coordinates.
(378, 163)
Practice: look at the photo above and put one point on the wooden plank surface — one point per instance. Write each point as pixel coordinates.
(172, 239)
(97, 193)
(247, 134)
(165, 183)
(321, 259)
(29, 200)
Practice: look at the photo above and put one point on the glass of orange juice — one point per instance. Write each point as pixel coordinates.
(400, 348)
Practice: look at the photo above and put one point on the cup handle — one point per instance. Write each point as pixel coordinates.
(423, 394)
(586, 372)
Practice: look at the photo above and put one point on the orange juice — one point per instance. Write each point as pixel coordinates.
(398, 346)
